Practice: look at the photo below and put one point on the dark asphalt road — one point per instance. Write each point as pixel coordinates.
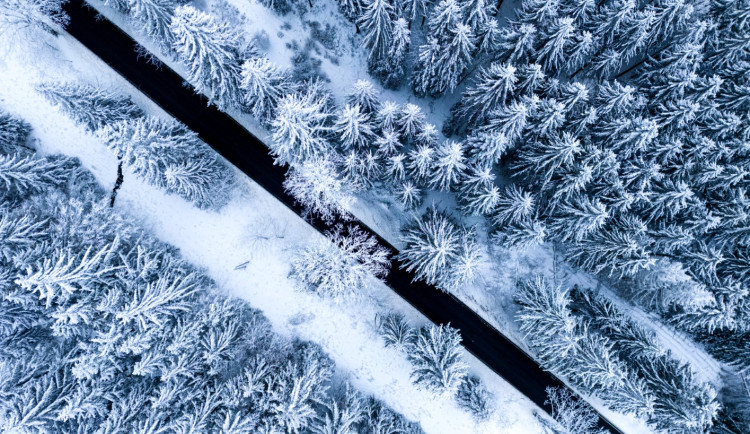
(249, 154)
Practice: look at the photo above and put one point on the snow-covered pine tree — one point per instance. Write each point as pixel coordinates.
(486, 148)
(436, 359)
(395, 331)
(24, 174)
(300, 129)
(365, 95)
(168, 155)
(264, 84)
(14, 134)
(377, 24)
(494, 85)
(473, 397)
(554, 43)
(426, 69)
(457, 53)
(211, 52)
(411, 121)
(353, 128)
(317, 186)
(431, 247)
(573, 413)
(448, 166)
(44, 15)
(391, 68)
(154, 18)
(421, 160)
(89, 106)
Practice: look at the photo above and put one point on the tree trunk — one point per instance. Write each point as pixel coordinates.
(310, 3)
(356, 26)
(423, 18)
(118, 183)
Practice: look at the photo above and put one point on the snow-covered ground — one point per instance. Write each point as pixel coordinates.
(491, 295)
(255, 229)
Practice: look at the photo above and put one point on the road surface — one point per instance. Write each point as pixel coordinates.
(166, 88)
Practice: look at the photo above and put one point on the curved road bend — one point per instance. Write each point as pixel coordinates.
(249, 154)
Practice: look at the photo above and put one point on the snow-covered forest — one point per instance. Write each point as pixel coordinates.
(607, 139)
(105, 328)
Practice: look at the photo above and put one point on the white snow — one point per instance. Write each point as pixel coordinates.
(252, 228)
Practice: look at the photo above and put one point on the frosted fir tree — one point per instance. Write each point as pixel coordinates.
(516, 43)
(477, 13)
(154, 18)
(510, 120)
(210, 51)
(168, 155)
(395, 169)
(300, 129)
(264, 84)
(548, 156)
(389, 144)
(524, 234)
(420, 163)
(316, 185)
(473, 397)
(573, 413)
(387, 115)
(579, 218)
(449, 164)
(340, 267)
(494, 85)
(353, 128)
(440, 252)
(458, 51)
(14, 134)
(395, 330)
(23, 15)
(409, 195)
(377, 24)
(412, 9)
(411, 120)
(426, 69)
(486, 148)
(428, 135)
(391, 69)
(556, 40)
(437, 364)
(342, 415)
(546, 320)
(365, 95)
(21, 175)
(89, 106)
(445, 16)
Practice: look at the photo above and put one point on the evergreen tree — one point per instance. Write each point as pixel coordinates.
(474, 398)
(91, 107)
(340, 267)
(14, 134)
(154, 18)
(210, 51)
(494, 86)
(448, 166)
(168, 155)
(353, 128)
(365, 95)
(316, 185)
(264, 84)
(300, 129)
(436, 361)
(377, 25)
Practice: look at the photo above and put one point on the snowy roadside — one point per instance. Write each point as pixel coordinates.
(255, 228)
